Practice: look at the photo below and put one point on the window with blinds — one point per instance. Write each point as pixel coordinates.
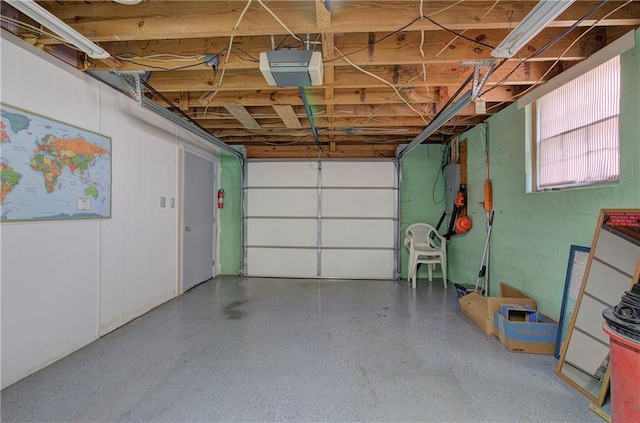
(577, 130)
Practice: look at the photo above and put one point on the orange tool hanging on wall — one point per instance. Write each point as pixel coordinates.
(488, 187)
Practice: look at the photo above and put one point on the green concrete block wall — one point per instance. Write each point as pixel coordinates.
(422, 195)
(533, 232)
(230, 217)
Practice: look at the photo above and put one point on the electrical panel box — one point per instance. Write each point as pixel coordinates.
(451, 186)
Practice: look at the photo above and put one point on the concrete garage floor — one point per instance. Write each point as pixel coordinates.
(251, 349)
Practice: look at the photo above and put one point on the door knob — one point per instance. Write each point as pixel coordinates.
(187, 228)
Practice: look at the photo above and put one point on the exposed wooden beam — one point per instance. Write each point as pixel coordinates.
(401, 50)
(348, 77)
(105, 21)
(288, 116)
(184, 101)
(243, 116)
(323, 15)
(341, 151)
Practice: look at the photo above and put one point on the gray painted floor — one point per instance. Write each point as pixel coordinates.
(251, 349)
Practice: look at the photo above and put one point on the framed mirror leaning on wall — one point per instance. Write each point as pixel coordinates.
(612, 267)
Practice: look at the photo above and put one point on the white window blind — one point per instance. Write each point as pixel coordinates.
(578, 135)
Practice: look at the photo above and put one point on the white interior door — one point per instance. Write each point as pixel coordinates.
(336, 219)
(199, 214)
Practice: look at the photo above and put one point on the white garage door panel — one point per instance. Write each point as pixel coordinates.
(284, 262)
(282, 202)
(357, 233)
(358, 264)
(293, 174)
(358, 174)
(282, 232)
(357, 203)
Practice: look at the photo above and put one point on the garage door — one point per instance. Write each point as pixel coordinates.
(329, 219)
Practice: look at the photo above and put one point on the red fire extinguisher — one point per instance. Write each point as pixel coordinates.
(220, 198)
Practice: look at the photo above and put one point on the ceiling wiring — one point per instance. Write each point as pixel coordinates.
(193, 65)
(435, 56)
(479, 19)
(383, 81)
(548, 45)
(280, 22)
(413, 21)
(278, 144)
(33, 29)
(553, 41)
(424, 66)
(411, 57)
(235, 28)
(569, 48)
(445, 8)
(230, 48)
(160, 57)
(458, 33)
(133, 59)
(443, 163)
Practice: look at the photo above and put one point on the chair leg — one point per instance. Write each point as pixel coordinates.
(414, 275)
(430, 272)
(443, 265)
(410, 270)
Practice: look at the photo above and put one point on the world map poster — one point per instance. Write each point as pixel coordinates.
(51, 170)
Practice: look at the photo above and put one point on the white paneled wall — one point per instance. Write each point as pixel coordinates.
(65, 283)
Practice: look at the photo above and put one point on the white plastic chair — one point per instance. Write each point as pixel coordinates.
(426, 246)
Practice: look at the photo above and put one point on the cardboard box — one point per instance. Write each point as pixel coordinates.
(481, 310)
(518, 313)
(524, 330)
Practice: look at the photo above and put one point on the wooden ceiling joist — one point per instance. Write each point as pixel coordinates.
(288, 116)
(243, 116)
(389, 65)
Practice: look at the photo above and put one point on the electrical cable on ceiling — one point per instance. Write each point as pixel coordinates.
(445, 8)
(383, 81)
(193, 65)
(408, 25)
(281, 144)
(230, 48)
(280, 22)
(435, 56)
(458, 34)
(462, 32)
(35, 30)
(235, 28)
(159, 57)
(443, 163)
(125, 58)
(424, 66)
(548, 45)
(554, 40)
(571, 45)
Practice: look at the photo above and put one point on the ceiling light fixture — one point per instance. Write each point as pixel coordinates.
(45, 18)
(541, 15)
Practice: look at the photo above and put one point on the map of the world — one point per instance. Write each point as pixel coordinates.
(51, 170)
